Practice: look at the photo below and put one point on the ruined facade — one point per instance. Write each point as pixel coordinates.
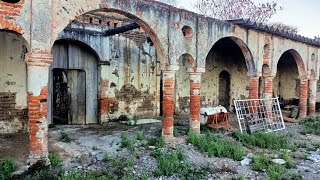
(174, 62)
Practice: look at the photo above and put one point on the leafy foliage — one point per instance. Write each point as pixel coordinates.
(233, 9)
(7, 167)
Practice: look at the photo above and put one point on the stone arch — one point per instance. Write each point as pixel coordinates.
(298, 60)
(245, 52)
(132, 11)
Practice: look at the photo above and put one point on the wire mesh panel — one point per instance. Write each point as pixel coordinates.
(259, 115)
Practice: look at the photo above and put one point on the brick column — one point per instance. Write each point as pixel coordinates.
(38, 62)
(254, 88)
(268, 86)
(312, 96)
(195, 86)
(303, 98)
(168, 87)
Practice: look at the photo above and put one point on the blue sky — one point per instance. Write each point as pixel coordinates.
(304, 14)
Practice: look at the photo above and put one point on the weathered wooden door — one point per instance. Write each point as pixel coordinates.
(77, 94)
(224, 89)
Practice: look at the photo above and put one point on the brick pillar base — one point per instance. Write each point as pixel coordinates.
(268, 87)
(195, 85)
(38, 62)
(303, 98)
(168, 104)
(312, 96)
(254, 92)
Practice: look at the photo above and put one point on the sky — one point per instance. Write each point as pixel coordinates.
(304, 14)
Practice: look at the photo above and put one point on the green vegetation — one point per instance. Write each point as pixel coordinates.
(216, 146)
(126, 142)
(55, 159)
(7, 167)
(263, 140)
(275, 171)
(157, 142)
(64, 137)
(311, 126)
(174, 162)
(139, 135)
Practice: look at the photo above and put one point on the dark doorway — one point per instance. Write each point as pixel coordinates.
(224, 89)
(69, 96)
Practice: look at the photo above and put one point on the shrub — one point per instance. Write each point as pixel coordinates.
(126, 142)
(215, 146)
(7, 167)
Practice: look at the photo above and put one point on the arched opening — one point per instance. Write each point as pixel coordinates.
(287, 80)
(127, 67)
(224, 88)
(182, 86)
(74, 84)
(13, 89)
(13, 96)
(226, 56)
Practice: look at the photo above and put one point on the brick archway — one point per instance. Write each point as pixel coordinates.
(132, 10)
(298, 60)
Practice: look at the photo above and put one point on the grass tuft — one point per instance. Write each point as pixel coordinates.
(64, 137)
(55, 159)
(311, 126)
(126, 142)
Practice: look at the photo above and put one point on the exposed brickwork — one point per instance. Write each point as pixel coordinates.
(39, 57)
(8, 15)
(195, 86)
(254, 88)
(312, 96)
(303, 98)
(268, 86)
(38, 127)
(8, 112)
(168, 104)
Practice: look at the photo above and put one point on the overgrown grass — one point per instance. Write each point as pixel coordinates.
(174, 162)
(215, 146)
(7, 167)
(55, 159)
(64, 137)
(311, 126)
(263, 140)
(139, 135)
(261, 162)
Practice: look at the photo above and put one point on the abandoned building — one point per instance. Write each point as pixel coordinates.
(90, 61)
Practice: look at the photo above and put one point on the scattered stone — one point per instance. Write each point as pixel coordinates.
(99, 156)
(279, 161)
(246, 161)
(315, 157)
(152, 147)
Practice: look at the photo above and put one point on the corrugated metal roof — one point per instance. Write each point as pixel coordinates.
(247, 23)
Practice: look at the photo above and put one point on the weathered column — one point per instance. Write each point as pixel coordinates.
(168, 87)
(312, 96)
(268, 87)
(303, 97)
(195, 86)
(38, 62)
(254, 88)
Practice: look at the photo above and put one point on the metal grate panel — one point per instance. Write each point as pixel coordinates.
(259, 114)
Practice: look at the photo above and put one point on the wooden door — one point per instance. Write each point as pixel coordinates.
(77, 94)
(224, 89)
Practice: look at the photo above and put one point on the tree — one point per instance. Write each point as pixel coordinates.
(170, 2)
(289, 28)
(234, 9)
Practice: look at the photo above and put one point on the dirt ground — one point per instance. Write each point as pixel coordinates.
(89, 143)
